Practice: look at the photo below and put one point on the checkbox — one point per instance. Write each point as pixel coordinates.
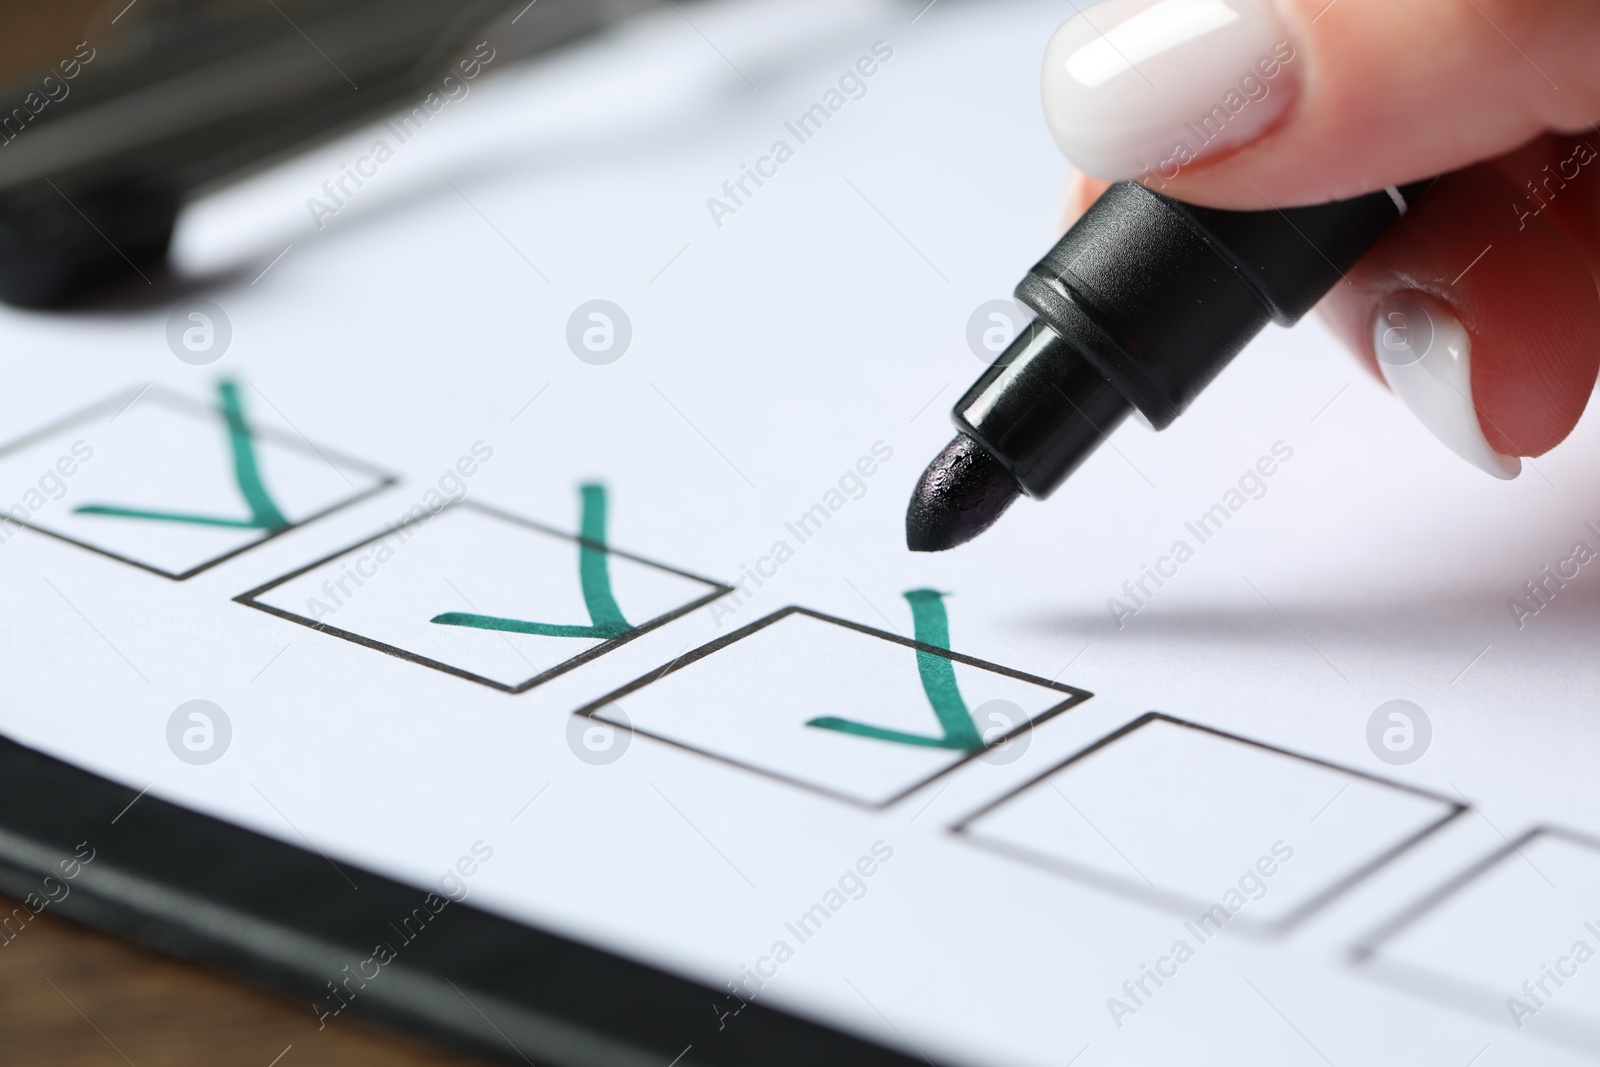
(845, 710)
(1222, 829)
(172, 485)
(485, 595)
(1514, 940)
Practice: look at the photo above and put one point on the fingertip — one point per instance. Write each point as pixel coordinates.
(1524, 300)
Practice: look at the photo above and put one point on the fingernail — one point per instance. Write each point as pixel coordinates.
(1426, 357)
(1140, 88)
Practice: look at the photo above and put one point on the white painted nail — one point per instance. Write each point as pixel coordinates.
(1140, 88)
(1426, 357)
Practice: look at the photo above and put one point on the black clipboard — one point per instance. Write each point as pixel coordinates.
(204, 890)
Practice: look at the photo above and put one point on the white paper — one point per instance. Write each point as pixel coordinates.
(818, 331)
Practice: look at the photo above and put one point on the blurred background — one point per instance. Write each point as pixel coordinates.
(117, 113)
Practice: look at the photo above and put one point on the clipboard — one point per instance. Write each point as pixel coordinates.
(282, 917)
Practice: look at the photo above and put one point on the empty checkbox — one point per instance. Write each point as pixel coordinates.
(1224, 830)
(1514, 939)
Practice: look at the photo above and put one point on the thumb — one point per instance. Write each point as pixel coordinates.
(1246, 103)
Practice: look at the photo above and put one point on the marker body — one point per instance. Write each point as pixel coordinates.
(1040, 409)
(1141, 305)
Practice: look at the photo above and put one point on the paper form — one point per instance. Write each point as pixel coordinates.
(790, 360)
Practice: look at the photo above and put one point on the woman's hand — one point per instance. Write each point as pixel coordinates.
(1480, 308)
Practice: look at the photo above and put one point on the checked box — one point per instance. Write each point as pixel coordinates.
(842, 709)
(172, 485)
(486, 595)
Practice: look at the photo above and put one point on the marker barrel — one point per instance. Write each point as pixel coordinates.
(1142, 304)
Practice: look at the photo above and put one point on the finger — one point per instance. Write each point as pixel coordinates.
(1080, 191)
(1483, 322)
(1250, 103)
(1558, 178)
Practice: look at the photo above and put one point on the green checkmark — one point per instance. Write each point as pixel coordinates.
(264, 514)
(932, 627)
(594, 576)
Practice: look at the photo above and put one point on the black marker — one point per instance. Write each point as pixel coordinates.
(1139, 306)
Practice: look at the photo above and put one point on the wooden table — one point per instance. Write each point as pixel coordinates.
(73, 997)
